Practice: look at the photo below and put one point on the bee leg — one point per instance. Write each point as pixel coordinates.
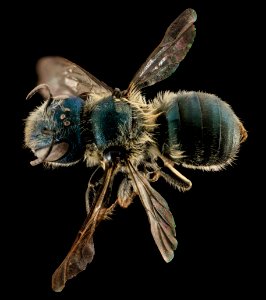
(93, 185)
(105, 213)
(151, 171)
(180, 181)
(126, 193)
(153, 176)
(124, 203)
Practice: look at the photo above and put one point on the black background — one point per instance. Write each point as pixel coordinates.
(217, 222)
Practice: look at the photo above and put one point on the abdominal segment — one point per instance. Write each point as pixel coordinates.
(199, 130)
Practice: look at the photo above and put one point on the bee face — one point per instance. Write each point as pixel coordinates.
(53, 132)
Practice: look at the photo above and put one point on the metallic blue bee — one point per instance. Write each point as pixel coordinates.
(120, 132)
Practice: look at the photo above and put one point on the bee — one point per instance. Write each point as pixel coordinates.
(118, 131)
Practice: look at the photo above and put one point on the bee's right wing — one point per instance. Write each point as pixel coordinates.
(161, 220)
(66, 78)
(164, 60)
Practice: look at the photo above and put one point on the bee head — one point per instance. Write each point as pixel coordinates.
(53, 131)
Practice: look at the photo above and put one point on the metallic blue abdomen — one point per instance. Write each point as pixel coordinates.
(203, 127)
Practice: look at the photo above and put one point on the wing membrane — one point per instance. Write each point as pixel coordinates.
(66, 78)
(164, 60)
(82, 251)
(160, 218)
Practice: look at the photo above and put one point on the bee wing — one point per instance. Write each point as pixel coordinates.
(164, 60)
(82, 250)
(66, 78)
(160, 218)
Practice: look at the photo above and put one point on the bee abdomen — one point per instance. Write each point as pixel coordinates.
(202, 130)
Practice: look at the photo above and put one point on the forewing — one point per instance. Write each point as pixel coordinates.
(164, 60)
(161, 219)
(66, 78)
(82, 251)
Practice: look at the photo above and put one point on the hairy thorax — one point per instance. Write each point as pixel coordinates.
(117, 122)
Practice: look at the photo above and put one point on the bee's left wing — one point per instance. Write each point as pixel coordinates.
(66, 78)
(161, 220)
(164, 60)
(82, 250)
